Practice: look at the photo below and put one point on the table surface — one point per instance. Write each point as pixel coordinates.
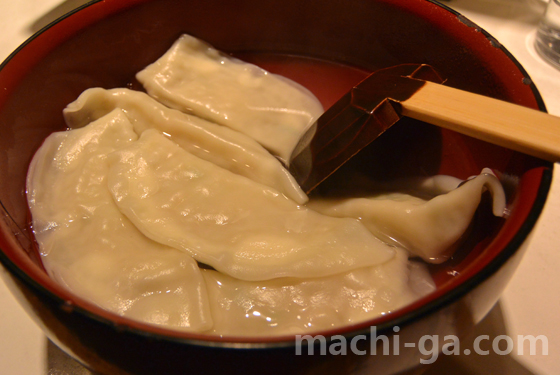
(527, 307)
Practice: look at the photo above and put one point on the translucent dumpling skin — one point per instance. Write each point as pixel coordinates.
(239, 227)
(291, 306)
(428, 228)
(220, 145)
(90, 247)
(195, 78)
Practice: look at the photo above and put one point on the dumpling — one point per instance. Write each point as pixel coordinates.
(426, 228)
(237, 226)
(195, 78)
(90, 247)
(298, 306)
(218, 144)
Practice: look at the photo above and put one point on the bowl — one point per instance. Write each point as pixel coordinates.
(106, 42)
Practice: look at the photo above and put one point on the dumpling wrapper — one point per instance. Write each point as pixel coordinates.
(294, 306)
(426, 228)
(239, 227)
(90, 247)
(215, 143)
(195, 78)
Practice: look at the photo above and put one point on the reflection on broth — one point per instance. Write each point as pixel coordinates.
(144, 187)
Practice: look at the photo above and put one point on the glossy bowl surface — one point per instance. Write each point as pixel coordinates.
(105, 43)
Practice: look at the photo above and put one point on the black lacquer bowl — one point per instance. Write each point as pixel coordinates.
(326, 45)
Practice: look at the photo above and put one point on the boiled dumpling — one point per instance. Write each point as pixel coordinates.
(89, 246)
(426, 228)
(239, 227)
(298, 306)
(195, 78)
(218, 144)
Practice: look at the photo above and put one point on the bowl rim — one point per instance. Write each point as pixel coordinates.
(414, 311)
